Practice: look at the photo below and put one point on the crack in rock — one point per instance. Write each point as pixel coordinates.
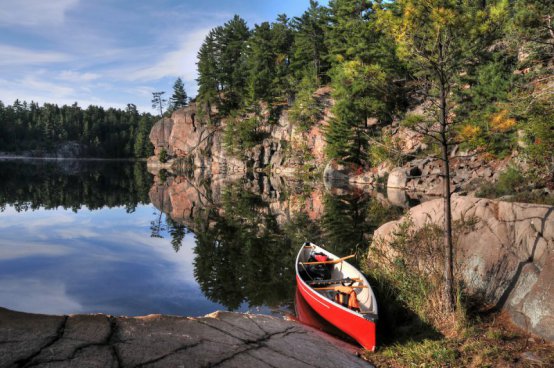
(59, 333)
(175, 351)
(251, 345)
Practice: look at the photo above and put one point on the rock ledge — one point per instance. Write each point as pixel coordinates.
(220, 339)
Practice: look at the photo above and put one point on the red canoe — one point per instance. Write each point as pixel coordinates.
(319, 294)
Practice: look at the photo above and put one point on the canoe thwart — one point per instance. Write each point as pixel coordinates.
(333, 287)
(333, 261)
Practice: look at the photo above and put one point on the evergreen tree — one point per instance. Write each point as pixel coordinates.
(222, 65)
(357, 90)
(101, 133)
(309, 55)
(231, 41)
(268, 61)
(179, 98)
(209, 86)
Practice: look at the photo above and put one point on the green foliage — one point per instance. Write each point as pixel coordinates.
(309, 55)
(179, 97)
(358, 94)
(425, 353)
(164, 157)
(241, 134)
(268, 58)
(531, 22)
(386, 148)
(222, 66)
(108, 133)
(305, 111)
(540, 135)
(510, 181)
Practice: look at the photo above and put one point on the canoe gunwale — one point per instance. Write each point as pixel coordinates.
(359, 325)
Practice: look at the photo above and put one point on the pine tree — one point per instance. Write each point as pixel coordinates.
(358, 91)
(179, 98)
(438, 40)
(309, 55)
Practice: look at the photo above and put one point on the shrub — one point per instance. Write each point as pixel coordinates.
(509, 182)
(164, 157)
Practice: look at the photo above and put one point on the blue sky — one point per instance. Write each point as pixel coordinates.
(112, 52)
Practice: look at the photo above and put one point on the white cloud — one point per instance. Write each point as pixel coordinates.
(14, 249)
(37, 296)
(181, 62)
(16, 56)
(73, 76)
(35, 12)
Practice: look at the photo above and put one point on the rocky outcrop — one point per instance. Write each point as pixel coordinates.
(159, 135)
(505, 258)
(190, 136)
(220, 339)
(467, 173)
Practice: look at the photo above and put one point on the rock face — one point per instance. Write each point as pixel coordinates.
(159, 135)
(285, 148)
(505, 259)
(221, 339)
(423, 175)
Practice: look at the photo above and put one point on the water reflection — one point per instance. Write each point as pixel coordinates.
(33, 184)
(248, 231)
(90, 237)
(94, 261)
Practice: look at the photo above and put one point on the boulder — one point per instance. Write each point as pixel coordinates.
(505, 259)
(397, 178)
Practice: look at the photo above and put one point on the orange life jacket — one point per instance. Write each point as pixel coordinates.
(346, 296)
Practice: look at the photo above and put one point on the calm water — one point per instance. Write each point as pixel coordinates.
(108, 237)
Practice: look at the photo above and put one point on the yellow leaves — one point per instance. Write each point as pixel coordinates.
(351, 69)
(469, 132)
(499, 11)
(501, 122)
(442, 17)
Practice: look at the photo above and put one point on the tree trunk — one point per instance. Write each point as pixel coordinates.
(448, 247)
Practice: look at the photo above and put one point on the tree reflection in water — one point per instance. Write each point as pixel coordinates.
(247, 241)
(32, 184)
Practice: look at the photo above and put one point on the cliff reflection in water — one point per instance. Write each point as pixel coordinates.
(248, 231)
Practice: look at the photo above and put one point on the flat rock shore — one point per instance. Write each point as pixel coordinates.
(220, 339)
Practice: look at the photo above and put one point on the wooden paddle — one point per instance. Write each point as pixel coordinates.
(334, 261)
(333, 287)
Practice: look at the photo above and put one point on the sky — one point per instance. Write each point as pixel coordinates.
(112, 52)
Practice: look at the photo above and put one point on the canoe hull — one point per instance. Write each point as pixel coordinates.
(353, 324)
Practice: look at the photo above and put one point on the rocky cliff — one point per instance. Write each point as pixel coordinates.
(192, 138)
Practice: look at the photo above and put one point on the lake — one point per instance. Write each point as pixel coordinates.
(109, 237)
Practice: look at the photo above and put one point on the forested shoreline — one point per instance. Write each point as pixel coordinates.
(484, 68)
(32, 129)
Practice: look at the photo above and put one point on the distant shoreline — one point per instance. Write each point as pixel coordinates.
(47, 158)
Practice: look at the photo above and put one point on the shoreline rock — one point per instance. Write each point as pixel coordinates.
(222, 339)
(505, 258)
